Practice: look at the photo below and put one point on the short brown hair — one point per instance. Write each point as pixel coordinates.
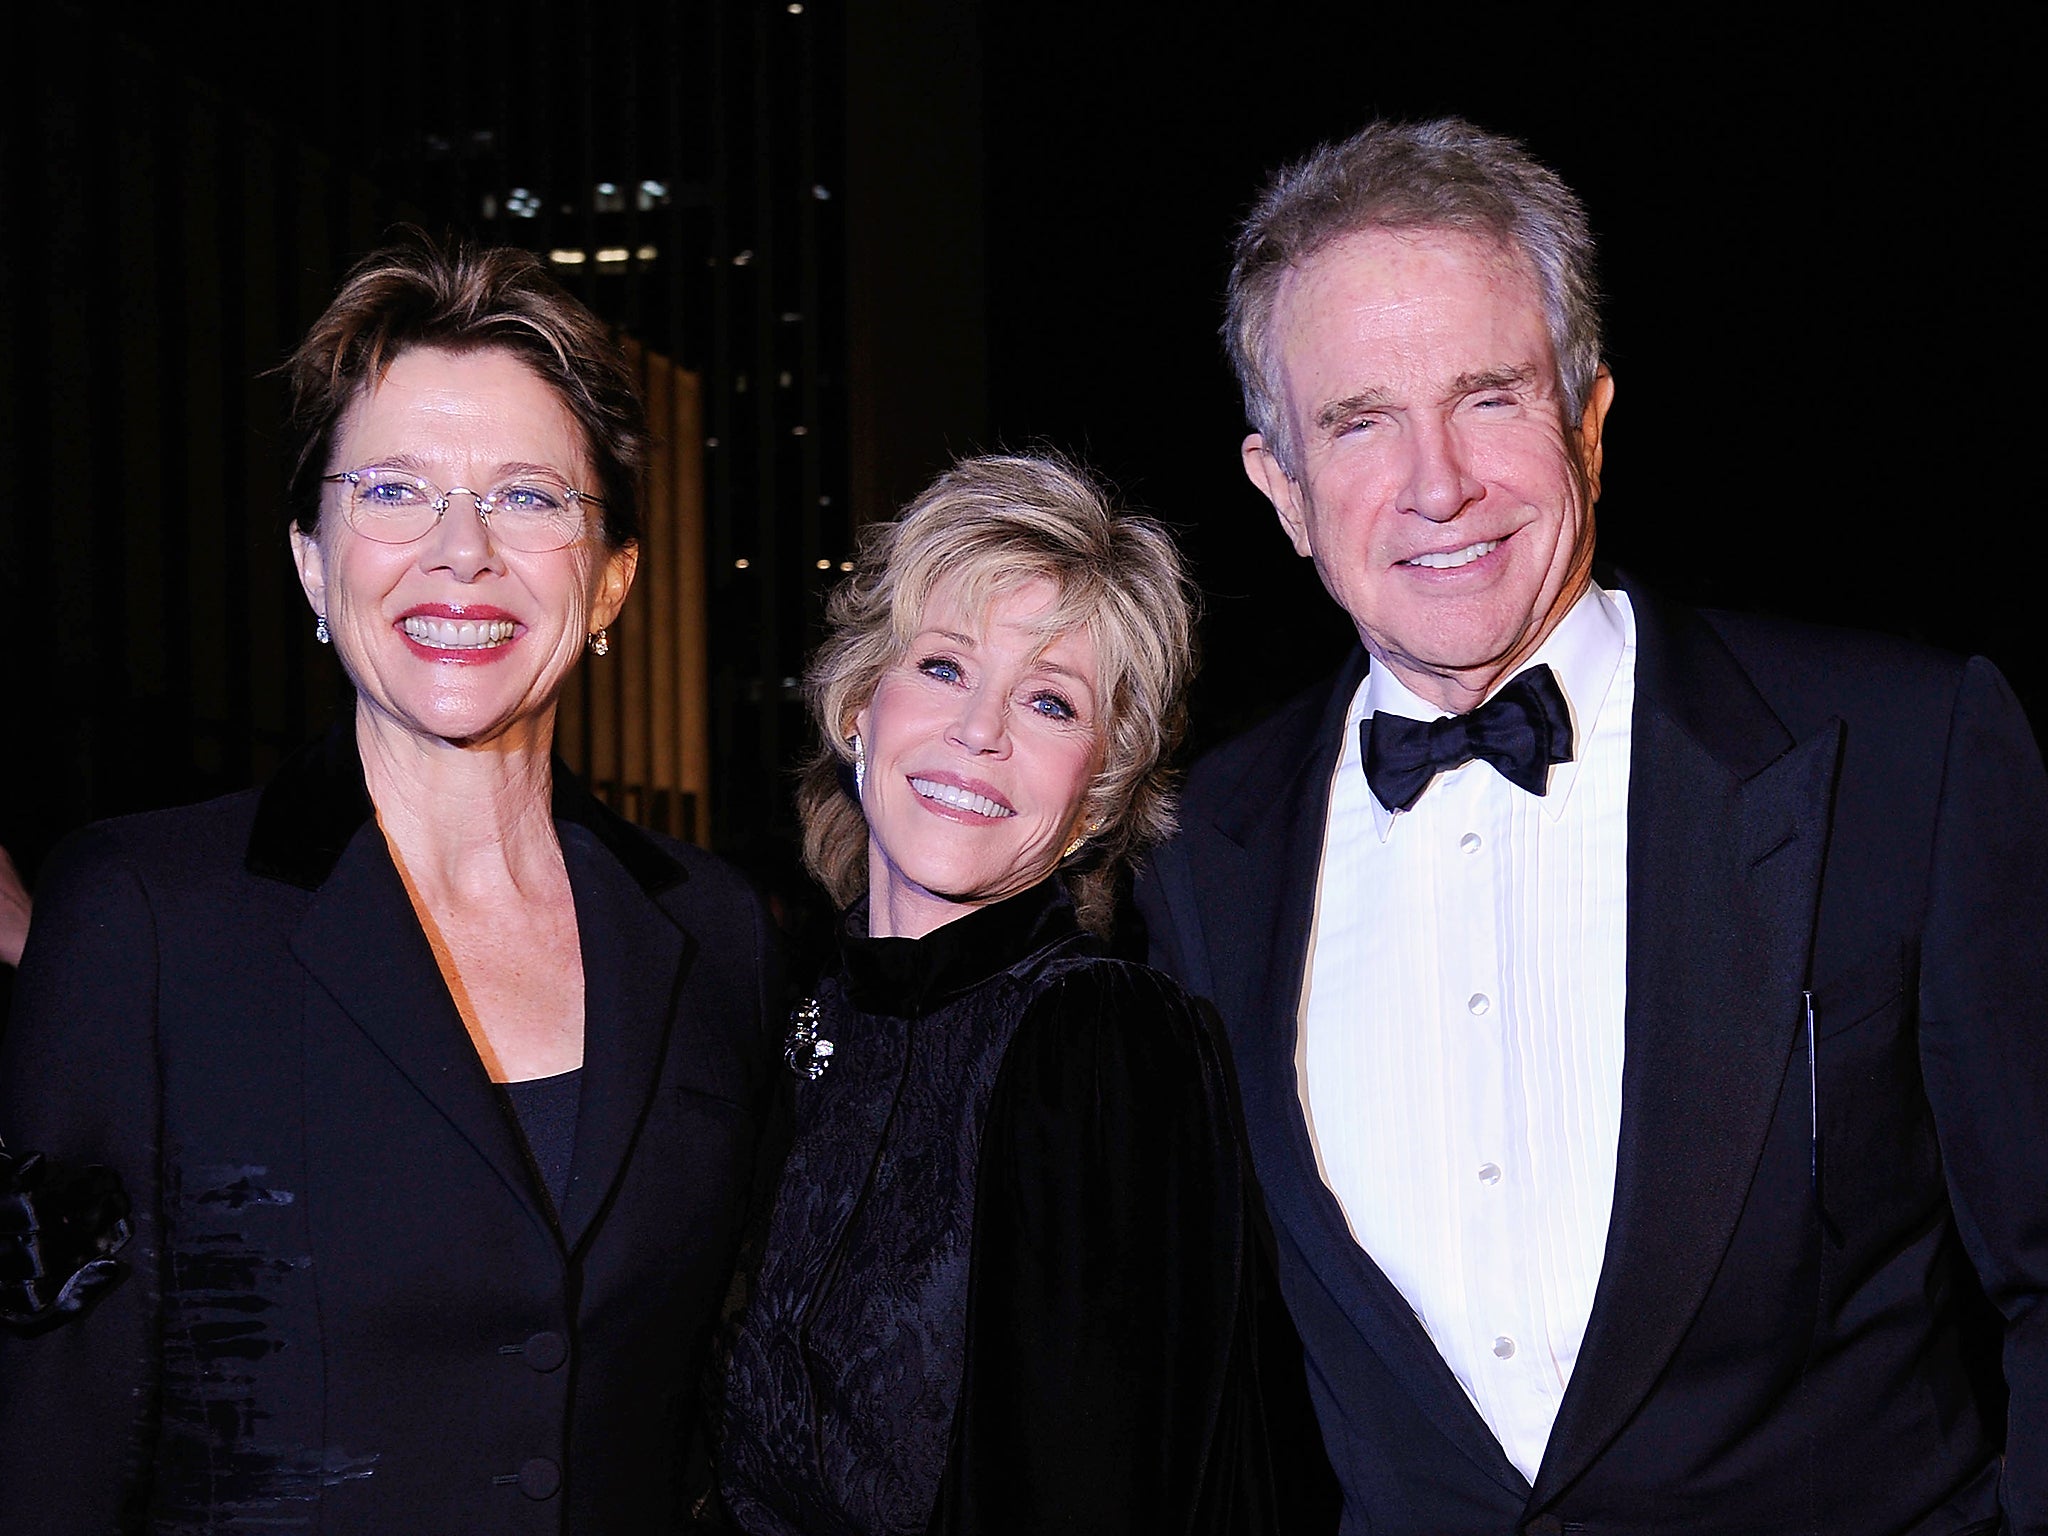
(996, 524)
(462, 297)
(1442, 175)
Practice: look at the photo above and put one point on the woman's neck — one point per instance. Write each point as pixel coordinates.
(470, 823)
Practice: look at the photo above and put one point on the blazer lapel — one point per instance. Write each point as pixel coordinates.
(1728, 821)
(1278, 821)
(360, 941)
(635, 959)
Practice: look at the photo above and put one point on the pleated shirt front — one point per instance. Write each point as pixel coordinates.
(1460, 1049)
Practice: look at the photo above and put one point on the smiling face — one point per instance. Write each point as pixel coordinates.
(1443, 502)
(980, 744)
(452, 637)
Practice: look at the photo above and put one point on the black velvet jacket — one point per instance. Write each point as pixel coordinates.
(351, 1309)
(1011, 1281)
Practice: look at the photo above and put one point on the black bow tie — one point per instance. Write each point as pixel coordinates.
(1521, 731)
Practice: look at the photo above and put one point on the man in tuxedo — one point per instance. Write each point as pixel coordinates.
(1639, 1013)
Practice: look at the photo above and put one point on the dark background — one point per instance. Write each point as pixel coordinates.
(1813, 234)
(1811, 248)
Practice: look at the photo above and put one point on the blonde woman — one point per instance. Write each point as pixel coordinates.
(1011, 1282)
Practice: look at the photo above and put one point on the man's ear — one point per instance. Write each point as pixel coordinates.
(1591, 427)
(1262, 468)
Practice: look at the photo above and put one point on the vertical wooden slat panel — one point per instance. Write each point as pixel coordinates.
(692, 628)
(179, 335)
(201, 426)
(318, 223)
(101, 491)
(227, 444)
(631, 652)
(260, 548)
(64, 578)
(647, 704)
(137, 425)
(656, 600)
(602, 689)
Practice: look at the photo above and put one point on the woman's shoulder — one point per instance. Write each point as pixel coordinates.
(1084, 980)
(713, 875)
(185, 843)
(667, 868)
(1093, 1013)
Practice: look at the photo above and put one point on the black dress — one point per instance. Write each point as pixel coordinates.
(1010, 1282)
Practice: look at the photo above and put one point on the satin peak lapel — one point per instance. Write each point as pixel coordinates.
(1256, 907)
(1279, 820)
(1728, 825)
(635, 961)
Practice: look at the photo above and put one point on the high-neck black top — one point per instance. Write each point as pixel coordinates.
(1006, 1284)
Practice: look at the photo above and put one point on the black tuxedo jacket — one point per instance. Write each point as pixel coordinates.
(1822, 826)
(352, 1309)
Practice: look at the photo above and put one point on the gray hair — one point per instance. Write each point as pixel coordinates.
(994, 525)
(1443, 175)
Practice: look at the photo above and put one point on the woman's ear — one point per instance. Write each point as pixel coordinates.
(312, 565)
(613, 583)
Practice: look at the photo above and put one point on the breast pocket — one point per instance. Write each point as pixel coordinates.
(1879, 1161)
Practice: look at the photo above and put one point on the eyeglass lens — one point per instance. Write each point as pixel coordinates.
(532, 514)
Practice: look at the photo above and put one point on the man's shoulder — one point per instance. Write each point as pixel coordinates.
(1769, 641)
(1810, 671)
(1806, 673)
(1277, 744)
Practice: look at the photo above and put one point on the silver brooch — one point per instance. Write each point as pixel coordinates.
(807, 1053)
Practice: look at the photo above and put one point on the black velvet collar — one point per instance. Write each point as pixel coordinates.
(907, 977)
(315, 805)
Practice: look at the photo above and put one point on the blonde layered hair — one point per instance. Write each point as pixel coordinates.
(994, 525)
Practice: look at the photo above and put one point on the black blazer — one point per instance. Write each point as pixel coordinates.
(1773, 1344)
(351, 1310)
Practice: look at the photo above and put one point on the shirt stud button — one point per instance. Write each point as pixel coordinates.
(1504, 1347)
(1478, 1002)
(1489, 1173)
(1470, 842)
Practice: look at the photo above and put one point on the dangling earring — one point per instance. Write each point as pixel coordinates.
(1081, 837)
(860, 765)
(601, 643)
(320, 628)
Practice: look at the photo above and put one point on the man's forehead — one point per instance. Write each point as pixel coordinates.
(1375, 291)
(1415, 261)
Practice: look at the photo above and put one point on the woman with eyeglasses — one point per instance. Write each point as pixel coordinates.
(435, 1087)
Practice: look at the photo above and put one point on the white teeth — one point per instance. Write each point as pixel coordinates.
(963, 799)
(1451, 559)
(459, 634)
